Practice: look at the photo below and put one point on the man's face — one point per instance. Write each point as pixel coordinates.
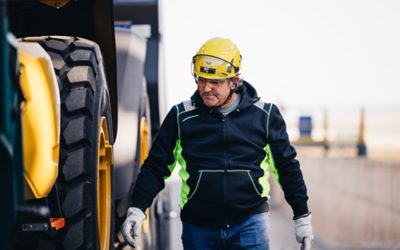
(214, 92)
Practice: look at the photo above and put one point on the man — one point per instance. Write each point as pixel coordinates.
(226, 141)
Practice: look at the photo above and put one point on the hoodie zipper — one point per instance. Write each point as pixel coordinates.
(225, 171)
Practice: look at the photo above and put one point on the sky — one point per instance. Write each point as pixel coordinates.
(334, 53)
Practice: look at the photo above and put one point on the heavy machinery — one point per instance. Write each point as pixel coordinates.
(135, 36)
(80, 87)
(11, 169)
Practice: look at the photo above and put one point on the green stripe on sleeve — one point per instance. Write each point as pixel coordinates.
(183, 173)
(272, 167)
(171, 166)
(267, 165)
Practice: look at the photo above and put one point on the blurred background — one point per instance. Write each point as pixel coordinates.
(333, 69)
(306, 56)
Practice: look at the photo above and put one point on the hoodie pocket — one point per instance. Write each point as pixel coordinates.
(241, 180)
(208, 185)
(243, 192)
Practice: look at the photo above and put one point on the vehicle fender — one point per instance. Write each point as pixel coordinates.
(40, 113)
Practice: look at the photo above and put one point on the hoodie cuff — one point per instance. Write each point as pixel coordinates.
(300, 209)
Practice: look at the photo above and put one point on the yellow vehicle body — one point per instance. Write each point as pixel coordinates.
(40, 119)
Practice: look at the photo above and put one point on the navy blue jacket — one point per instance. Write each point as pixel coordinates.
(225, 161)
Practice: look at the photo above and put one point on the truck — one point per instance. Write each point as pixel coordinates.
(85, 72)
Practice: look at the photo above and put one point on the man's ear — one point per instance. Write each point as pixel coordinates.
(232, 85)
(235, 83)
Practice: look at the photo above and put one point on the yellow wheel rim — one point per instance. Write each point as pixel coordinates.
(104, 185)
(144, 139)
(144, 151)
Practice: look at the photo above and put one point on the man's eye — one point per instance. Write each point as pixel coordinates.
(203, 81)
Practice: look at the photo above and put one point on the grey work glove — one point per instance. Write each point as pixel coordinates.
(304, 232)
(132, 226)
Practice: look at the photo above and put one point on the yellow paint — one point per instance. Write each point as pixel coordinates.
(40, 119)
(144, 151)
(144, 140)
(58, 4)
(104, 195)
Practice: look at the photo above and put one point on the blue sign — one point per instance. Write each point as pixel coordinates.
(305, 125)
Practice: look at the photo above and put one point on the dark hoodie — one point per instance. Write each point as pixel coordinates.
(225, 161)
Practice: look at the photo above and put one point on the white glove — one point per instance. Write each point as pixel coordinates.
(132, 226)
(304, 232)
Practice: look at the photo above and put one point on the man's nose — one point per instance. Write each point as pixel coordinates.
(208, 86)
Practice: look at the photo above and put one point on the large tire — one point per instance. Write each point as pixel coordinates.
(85, 168)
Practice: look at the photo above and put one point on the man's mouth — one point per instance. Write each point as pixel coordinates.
(209, 95)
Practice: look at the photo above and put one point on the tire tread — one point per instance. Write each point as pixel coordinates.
(76, 63)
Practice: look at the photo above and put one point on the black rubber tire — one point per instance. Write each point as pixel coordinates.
(84, 100)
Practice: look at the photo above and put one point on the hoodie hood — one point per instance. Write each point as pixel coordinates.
(246, 90)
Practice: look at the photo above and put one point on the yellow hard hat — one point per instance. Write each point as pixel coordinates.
(218, 58)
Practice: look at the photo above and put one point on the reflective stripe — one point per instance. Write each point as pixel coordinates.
(171, 166)
(269, 112)
(252, 182)
(197, 185)
(183, 173)
(267, 165)
(262, 105)
(213, 170)
(177, 121)
(263, 180)
(272, 167)
(188, 106)
(187, 118)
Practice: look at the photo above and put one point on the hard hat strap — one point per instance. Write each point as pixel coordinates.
(230, 93)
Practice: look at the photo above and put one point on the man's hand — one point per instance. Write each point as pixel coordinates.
(132, 226)
(304, 231)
